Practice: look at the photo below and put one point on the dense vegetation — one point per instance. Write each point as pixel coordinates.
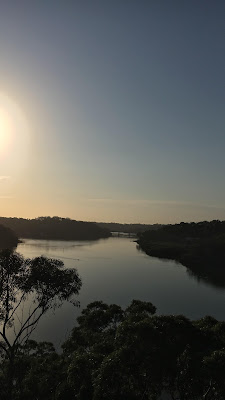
(198, 246)
(28, 289)
(55, 228)
(8, 238)
(127, 228)
(111, 354)
(134, 354)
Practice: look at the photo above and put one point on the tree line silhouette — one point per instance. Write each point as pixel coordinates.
(55, 228)
(8, 238)
(199, 246)
(127, 228)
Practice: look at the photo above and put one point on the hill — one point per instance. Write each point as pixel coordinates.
(8, 239)
(54, 228)
(127, 228)
(199, 246)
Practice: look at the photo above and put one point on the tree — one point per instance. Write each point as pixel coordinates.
(40, 282)
(8, 239)
(134, 354)
(126, 354)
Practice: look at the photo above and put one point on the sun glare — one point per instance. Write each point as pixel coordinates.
(14, 137)
(5, 131)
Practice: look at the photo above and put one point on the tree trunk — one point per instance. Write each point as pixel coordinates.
(10, 375)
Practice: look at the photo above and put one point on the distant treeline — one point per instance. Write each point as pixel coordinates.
(183, 230)
(127, 228)
(199, 246)
(8, 238)
(54, 228)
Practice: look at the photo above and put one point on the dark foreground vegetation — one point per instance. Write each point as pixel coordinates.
(55, 228)
(198, 246)
(120, 354)
(8, 239)
(112, 354)
(28, 289)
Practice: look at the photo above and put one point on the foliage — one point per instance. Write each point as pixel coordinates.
(40, 282)
(8, 238)
(127, 228)
(198, 246)
(204, 229)
(135, 354)
(125, 354)
(55, 228)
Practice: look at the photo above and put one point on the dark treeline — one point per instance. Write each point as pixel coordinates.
(183, 230)
(127, 228)
(199, 246)
(128, 354)
(8, 239)
(54, 228)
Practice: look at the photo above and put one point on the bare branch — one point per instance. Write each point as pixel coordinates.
(7, 305)
(26, 337)
(18, 304)
(208, 390)
(25, 326)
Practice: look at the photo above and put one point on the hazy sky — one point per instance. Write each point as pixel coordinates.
(112, 110)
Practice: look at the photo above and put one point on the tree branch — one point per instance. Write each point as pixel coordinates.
(5, 349)
(7, 305)
(18, 304)
(208, 390)
(25, 326)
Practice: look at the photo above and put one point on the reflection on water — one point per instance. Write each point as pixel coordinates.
(113, 270)
(210, 272)
(214, 277)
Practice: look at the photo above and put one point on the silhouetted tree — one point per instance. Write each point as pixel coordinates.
(8, 238)
(125, 354)
(41, 281)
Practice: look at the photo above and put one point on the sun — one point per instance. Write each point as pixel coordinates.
(14, 135)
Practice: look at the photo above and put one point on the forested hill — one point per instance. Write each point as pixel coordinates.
(8, 239)
(204, 229)
(199, 246)
(127, 228)
(54, 228)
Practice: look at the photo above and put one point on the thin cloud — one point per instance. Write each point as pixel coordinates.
(6, 197)
(4, 177)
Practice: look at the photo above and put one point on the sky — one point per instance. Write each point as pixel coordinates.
(112, 110)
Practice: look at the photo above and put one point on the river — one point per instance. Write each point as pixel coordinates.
(115, 271)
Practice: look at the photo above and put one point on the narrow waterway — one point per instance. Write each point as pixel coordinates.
(113, 270)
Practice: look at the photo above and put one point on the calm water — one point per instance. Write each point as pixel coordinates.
(113, 270)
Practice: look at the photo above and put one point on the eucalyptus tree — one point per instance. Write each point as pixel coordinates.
(28, 289)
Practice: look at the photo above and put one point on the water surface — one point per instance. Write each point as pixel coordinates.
(113, 270)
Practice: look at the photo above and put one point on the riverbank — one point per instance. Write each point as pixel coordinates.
(202, 251)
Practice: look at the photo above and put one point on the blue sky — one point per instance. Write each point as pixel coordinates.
(121, 110)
